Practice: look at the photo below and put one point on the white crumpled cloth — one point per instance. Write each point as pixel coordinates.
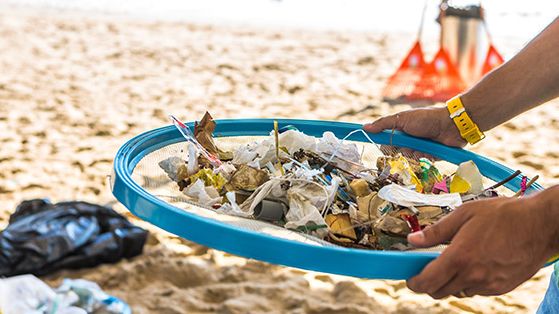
(402, 196)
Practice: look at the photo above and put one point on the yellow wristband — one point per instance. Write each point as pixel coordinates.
(468, 129)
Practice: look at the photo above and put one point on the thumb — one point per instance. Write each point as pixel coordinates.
(441, 232)
(384, 123)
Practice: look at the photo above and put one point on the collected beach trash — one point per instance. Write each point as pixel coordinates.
(43, 237)
(321, 186)
(28, 294)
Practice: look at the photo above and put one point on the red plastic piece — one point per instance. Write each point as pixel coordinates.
(439, 80)
(402, 82)
(523, 185)
(492, 60)
(413, 222)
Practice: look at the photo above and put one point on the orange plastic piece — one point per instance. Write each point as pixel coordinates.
(492, 60)
(439, 80)
(402, 82)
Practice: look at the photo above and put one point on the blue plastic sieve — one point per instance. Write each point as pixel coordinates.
(222, 234)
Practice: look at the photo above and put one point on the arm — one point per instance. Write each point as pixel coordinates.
(527, 80)
(497, 243)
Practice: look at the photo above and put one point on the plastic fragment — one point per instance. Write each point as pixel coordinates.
(247, 178)
(440, 186)
(412, 221)
(287, 128)
(428, 212)
(393, 225)
(401, 166)
(469, 172)
(523, 186)
(404, 197)
(360, 187)
(369, 207)
(175, 168)
(459, 185)
(269, 188)
(187, 134)
(203, 131)
(306, 200)
(204, 195)
(430, 175)
(28, 294)
(340, 224)
(193, 154)
(209, 178)
(270, 210)
(429, 215)
(276, 138)
(226, 170)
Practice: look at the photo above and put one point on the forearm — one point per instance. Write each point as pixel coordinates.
(526, 81)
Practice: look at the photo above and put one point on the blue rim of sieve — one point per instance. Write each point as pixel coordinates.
(260, 246)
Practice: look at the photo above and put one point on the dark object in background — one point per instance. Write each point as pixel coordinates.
(43, 237)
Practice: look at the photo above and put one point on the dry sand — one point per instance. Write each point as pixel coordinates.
(74, 88)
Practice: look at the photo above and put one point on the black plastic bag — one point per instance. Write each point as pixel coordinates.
(43, 237)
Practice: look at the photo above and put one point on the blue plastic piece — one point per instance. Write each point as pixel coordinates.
(337, 260)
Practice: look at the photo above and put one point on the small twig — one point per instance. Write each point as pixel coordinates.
(507, 179)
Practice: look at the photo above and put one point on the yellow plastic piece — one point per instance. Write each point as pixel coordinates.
(459, 185)
(468, 129)
(341, 224)
(402, 167)
(209, 178)
(276, 136)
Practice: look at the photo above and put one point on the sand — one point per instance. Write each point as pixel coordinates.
(73, 88)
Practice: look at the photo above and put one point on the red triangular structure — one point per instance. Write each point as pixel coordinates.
(493, 60)
(402, 82)
(439, 81)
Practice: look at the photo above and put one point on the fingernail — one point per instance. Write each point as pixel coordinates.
(418, 236)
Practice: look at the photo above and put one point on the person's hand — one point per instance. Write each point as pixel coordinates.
(497, 244)
(432, 123)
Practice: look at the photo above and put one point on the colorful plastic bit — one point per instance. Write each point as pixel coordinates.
(523, 185)
(189, 136)
(413, 222)
(440, 187)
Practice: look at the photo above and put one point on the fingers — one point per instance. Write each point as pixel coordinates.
(440, 232)
(384, 123)
(458, 284)
(434, 276)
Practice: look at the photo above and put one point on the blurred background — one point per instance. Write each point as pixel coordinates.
(79, 78)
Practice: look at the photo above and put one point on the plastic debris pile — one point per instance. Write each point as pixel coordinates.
(320, 186)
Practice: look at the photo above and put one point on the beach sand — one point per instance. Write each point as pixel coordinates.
(74, 88)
